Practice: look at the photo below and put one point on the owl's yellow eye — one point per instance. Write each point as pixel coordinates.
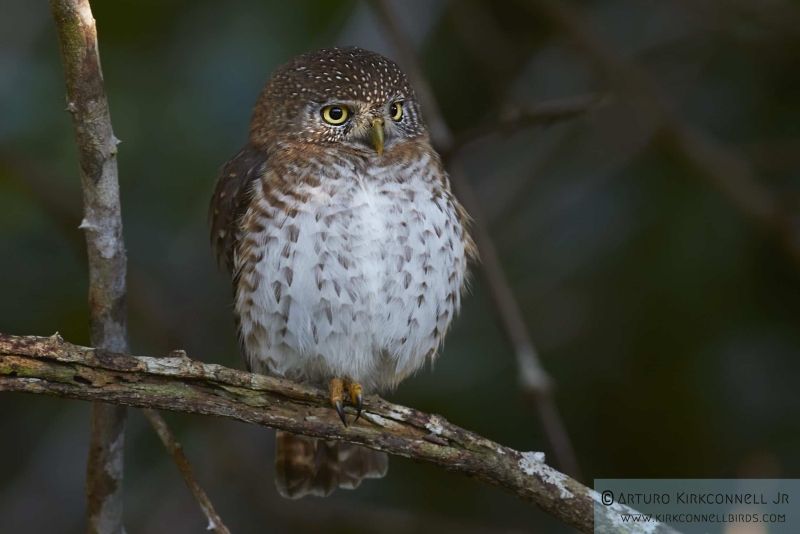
(335, 114)
(396, 111)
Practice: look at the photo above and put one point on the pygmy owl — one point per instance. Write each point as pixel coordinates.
(347, 248)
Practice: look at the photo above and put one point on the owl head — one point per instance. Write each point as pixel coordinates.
(337, 97)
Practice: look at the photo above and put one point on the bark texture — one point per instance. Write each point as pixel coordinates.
(102, 222)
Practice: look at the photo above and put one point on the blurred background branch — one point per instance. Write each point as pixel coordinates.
(516, 118)
(728, 173)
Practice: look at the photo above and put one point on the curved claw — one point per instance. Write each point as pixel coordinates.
(359, 404)
(340, 409)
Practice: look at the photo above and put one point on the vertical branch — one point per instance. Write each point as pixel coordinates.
(102, 222)
(534, 380)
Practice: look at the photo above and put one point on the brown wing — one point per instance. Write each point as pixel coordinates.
(230, 200)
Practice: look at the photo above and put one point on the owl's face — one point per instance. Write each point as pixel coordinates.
(363, 126)
(341, 98)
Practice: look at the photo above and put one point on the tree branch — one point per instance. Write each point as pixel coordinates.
(535, 383)
(102, 222)
(51, 366)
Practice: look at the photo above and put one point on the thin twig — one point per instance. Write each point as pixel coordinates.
(176, 451)
(102, 222)
(534, 380)
(725, 171)
(50, 366)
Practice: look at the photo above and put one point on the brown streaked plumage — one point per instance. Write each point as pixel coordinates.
(347, 248)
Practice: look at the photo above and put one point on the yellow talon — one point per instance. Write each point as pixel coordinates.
(356, 393)
(336, 387)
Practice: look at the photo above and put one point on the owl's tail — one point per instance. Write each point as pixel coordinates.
(311, 466)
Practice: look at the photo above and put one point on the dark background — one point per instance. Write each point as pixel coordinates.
(667, 317)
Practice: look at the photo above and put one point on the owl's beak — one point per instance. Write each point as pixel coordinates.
(377, 134)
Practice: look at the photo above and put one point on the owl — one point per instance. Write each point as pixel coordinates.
(347, 249)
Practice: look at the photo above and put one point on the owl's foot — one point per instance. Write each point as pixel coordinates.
(356, 392)
(336, 387)
(354, 389)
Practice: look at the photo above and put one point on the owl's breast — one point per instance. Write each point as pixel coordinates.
(420, 269)
(358, 276)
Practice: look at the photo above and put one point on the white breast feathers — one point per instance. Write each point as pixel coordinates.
(354, 274)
